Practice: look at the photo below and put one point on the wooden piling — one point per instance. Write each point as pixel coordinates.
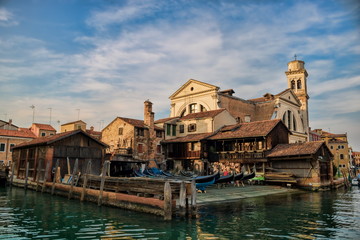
(167, 201)
(103, 175)
(26, 175)
(38, 175)
(12, 173)
(73, 178)
(55, 176)
(83, 192)
(45, 175)
(193, 198)
(182, 198)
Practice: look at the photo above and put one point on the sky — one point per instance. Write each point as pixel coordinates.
(95, 60)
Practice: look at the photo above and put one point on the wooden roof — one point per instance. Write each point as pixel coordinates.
(53, 138)
(296, 149)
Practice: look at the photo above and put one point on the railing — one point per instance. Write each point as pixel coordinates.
(123, 151)
(185, 155)
(241, 155)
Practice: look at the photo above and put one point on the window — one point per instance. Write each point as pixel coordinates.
(78, 126)
(174, 130)
(298, 84)
(121, 131)
(11, 145)
(192, 127)
(181, 128)
(292, 84)
(159, 134)
(2, 147)
(202, 108)
(193, 108)
(140, 148)
(247, 118)
(43, 134)
(331, 147)
(158, 148)
(168, 129)
(294, 124)
(341, 156)
(139, 132)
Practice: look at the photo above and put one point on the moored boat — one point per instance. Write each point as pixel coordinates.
(225, 179)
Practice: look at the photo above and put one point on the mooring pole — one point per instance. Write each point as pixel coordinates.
(88, 171)
(167, 201)
(47, 169)
(12, 173)
(38, 175)
(26, 175)
(73, 178)
(182, 198)
(55, 176)
(103, 174)
(193, 198)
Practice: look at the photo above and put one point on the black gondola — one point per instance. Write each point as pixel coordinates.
(225, 179)
(248, 176)
(208, 178)
(238, 177)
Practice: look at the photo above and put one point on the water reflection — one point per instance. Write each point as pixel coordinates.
(323, 215)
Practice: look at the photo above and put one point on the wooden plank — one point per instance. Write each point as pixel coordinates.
(102, 182)
(73, 178)
(47, 169)
(55, 176)
(26, 175)
(88, 170)
(68, 165)
(167, 201)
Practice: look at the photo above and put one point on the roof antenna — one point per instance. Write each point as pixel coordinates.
(295, 57)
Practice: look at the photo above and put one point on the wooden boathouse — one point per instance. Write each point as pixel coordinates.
(72, 164)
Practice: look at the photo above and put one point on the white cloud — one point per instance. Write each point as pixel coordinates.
(7, 18)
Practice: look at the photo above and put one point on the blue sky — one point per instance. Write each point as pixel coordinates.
(107, 57)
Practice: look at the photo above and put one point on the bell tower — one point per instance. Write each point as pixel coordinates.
(297, 81)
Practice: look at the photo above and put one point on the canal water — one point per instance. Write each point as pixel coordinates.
(305, 215)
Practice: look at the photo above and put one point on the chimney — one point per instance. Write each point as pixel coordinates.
(10, 123)
(148, 114)
(91, 128)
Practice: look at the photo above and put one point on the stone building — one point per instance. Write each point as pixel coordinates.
(71, 126)
(290, 105)
(133, 139)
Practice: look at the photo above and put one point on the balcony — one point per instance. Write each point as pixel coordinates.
(242, 156)
(123, 151)
(185, 155)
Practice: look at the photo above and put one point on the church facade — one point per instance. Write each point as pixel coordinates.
(290, 105)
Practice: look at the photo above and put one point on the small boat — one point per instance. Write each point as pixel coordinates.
(355, 182)
(187, 174)
(238, 177)
(208, 178)
(137, 173)
(225, 179)
(248, 176)
(202, 186)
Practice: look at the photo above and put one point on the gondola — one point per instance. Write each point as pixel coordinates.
(137, 173)
(238, 177)
(208, 178)
(201, 186)
(248, 176)
(225, 179)
(187, 174)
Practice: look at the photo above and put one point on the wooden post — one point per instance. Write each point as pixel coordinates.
(12, 173)
(193, 197)
(38, 174)
(46, 175)
(68, 165)
(73, 178)
(182, 197)
(55, 176)
(103, 174)
(167, 201)
(88, 170)
(26, 175)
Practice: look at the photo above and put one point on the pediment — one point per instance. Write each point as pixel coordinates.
(192, 87)
(289, 96)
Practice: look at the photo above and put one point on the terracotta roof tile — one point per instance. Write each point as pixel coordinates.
(46, 127)
(307, 148)
(189, 138)
(207, 114)
(21, 132)
(163, 120)
(243, 130)
(72, 122)
(139, 123)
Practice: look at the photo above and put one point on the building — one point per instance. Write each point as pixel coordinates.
(71, 126)
(93, 133)
(8, 125)
(310, 163)
(42, 130)
(356, 161)
(11, 138)
(134, 141)
(45, 151)
(290, 105)
(339, 147)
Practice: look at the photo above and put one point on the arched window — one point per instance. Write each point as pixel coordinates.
(292, 84)
(202, 108)
(289, 120)
(294, 123)
(299, 84)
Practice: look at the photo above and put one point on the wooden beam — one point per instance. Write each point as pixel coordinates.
(167, 201)
(26, 175)
(55, 176)
(47, 169)
(83, 192)
(38, 174)
(103, 174)
(73, 178)
(12, 173)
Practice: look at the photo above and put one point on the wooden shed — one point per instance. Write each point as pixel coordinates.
(45, 151)
(309, 163)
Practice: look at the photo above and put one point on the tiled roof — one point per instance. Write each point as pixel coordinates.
(294, 149)
(46, 127)
(138, 123)
(207, 114)
(21, 132)
(53, 138)
(189, 138)
(243, 130)
(260, 99)
(163, 120)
